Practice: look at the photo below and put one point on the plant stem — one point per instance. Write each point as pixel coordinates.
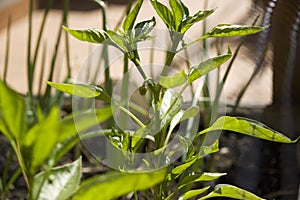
(131, 115)
(29, 65)
(7, 49)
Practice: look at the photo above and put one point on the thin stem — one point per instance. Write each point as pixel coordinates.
(66, 11)
(16, 148)
(29, 66)
(7, 49)
(131, 115)
(124, 92)
(137, 63)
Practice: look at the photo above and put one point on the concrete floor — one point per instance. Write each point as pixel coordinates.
(228, 11)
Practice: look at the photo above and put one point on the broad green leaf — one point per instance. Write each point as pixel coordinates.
(40, 140)
(12, 113)
(190, 112)
(207, 66)
(119, 41)
(228, 30)
(178, 12)
(173, 81)
(81, 90)
(248, 127)
(89, 35)
(61, 183)
(206, 176)
(206, 150)
(164, 13)
(131, 17)
(143, 28)
(193, 193)
(115, 184)
(181, 168)
(61, 148)
(80, 122)
(191, 20)
(170, 106)
(224, 190)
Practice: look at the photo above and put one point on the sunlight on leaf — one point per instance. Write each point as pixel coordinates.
(206, 176)
(248, 127)
(90, 35)
(224, 190)
(131, 17)
(207, 66)
(62, 183)
(228, 30)
(173, 81)
(115, 184)
(164, 13)
(81, 90)
(193, 193)
(12, 113)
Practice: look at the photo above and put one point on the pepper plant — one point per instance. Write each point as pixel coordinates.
(158, 175)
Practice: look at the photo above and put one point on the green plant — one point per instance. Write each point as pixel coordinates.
(179, 177)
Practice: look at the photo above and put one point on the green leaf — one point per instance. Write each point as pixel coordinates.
(248, 127)
(228, 30)
(61, 183)
(40, 140)
(131, 17)
(173, 81)
(170, 106)
(190, 112)
(206, 176)
(12, 113)
(207, 66)
(119, 41)
(164, 13)
(80, 122)
(224, 190)
(191, 20)
(81, 90)
(143, 28)
(89, 35)
(181, 168)
(178, 12)
(115, 184)
(193, 193)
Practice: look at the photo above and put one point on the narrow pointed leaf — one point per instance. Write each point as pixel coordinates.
(224, 190)
(142, 29)
(89, 35)
(116, 184)
(61, 184)
(131, 17)
(228, 30)
(12, 113)
(207, 66)
(178, 12)
(170, 106)
(191, 20)
(40, 140)
(248, 127)
(173, 81)
(164, 13)
(206, 176)
(193, 193)
(181, 168)
(81, 90)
